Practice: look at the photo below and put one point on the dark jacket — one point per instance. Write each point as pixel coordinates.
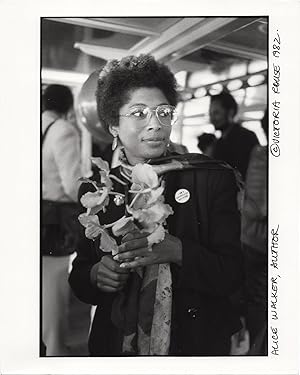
(208, 225)
(235, 148)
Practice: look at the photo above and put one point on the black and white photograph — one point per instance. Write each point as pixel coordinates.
(174, 112)
(159, 190)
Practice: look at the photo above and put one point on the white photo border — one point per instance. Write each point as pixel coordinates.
(20, 277)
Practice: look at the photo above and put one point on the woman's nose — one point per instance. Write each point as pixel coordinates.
(153, 122)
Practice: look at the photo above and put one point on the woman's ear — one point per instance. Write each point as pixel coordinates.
(113, 130)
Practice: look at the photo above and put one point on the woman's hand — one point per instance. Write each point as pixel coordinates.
(108, 276)
(135, 252)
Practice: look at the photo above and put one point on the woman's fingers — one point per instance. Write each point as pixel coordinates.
(143, 252)
(134, 244)
(109, 289)
(108, 282)
(134, 235)
(112, 265)
(140, 262)
(110, 276)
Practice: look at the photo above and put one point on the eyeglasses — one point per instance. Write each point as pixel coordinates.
(166, 114)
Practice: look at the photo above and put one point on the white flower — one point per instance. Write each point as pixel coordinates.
(96, 201)
(151, 216)
(123, 226)
(144, 175)
(107, 243)
(156, 236)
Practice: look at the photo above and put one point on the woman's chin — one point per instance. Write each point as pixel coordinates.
(151, 153)
(142, 154)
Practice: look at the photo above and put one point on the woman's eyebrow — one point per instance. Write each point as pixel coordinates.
(145, 105)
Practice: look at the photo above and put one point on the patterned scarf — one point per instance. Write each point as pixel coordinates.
(143, 311)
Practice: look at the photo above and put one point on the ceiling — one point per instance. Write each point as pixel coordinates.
(82, 45)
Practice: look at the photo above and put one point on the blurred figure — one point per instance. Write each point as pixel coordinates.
(254, 239)
(177, 147)
(236, 142)
(61, 169)
(206, 142)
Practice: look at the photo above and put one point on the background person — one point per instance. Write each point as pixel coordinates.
(61, 168)
(236, 142)
(136, 97)
(255, 242)
(206, 143)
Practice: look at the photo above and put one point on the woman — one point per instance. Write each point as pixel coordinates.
(136, 98)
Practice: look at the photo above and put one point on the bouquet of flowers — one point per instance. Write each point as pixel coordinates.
(144, 211)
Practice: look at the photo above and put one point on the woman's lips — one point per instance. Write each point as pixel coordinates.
(153, 141)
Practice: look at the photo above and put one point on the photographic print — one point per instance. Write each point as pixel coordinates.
(162, 241)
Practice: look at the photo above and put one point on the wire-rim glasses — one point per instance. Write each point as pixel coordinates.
(166, 114)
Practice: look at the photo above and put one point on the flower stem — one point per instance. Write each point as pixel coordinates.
(112, 224)
(148, 190)
(117, 179)
(134, 199)
(116, 193)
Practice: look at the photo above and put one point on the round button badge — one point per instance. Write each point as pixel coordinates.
(182, 196)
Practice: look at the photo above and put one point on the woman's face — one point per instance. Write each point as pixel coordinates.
(142, 141)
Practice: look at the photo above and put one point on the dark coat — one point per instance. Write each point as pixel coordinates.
(208, 225)
(235, 148)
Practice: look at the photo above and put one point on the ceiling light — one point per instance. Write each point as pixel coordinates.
(256, 80)
(50, 76)
(255, 115)
(199, 93)
(234, 84)
(215, 89)
(105, 53)
(181, 78)
(257, 66)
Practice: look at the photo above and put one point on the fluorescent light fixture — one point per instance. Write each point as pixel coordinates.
(199, 93)
(65, 77)
(234, 84)
(215, 89)
(181, 78)
(237, 70)
(257, 66)
(105, 53)
(255, 115)
(239, 95)
(256, 80)
(185, 95)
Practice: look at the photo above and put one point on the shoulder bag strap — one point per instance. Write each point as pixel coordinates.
(46, 131)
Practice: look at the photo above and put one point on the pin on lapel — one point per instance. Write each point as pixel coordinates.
(182, 195)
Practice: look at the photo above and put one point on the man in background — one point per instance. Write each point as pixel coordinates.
(236, 142)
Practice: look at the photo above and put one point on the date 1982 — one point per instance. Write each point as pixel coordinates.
(276, 45)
